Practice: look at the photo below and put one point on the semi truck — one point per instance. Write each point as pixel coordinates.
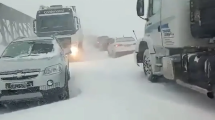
(178, 43)
(64, 23)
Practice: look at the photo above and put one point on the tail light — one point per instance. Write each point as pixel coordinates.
(117, 45)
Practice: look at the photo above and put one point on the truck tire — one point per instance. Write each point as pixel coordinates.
(147, 67)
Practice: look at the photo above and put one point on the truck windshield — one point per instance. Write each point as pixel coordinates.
(55, 23)
(21, 48)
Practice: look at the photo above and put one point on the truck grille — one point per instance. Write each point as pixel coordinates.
(19, 71)
(25, 74)
(19, 78)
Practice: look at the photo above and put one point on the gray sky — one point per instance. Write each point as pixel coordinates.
(100, 17)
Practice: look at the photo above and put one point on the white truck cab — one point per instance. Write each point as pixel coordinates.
(178, 43)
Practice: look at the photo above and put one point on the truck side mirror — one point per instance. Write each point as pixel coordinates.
(140, 8)
(34, 26)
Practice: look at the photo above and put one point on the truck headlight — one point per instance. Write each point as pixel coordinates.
(53, 69)
(74, 50)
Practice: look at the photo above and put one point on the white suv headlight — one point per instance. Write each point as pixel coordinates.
(53, 69)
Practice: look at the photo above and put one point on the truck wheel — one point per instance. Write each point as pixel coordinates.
(148, 68)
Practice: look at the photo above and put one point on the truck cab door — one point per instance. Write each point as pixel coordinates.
(152, 30)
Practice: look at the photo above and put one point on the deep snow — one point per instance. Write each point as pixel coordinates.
(115, 89)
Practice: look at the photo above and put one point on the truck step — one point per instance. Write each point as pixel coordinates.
(159, 65)
(158, 73)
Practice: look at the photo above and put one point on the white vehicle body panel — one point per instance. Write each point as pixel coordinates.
(122, 45)
(34, 67)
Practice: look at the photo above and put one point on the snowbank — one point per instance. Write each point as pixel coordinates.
(135, 106)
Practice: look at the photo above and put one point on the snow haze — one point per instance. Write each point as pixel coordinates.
(101, 17)
(115, 89)
(112, 88)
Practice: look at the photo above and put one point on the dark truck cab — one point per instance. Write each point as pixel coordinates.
(51, 21)
(61, 22)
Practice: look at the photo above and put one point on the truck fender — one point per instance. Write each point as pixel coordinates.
(141, 46)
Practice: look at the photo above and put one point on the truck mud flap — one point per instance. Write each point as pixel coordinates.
(139, 57)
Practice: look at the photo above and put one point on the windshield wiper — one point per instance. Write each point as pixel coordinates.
(7, 56)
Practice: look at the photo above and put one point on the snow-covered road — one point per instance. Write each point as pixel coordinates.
(115, 89)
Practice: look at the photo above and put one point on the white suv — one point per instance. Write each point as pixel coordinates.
(34, 69)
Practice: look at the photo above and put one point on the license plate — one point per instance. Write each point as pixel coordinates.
(19, 85)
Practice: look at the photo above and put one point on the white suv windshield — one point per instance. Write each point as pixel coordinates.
(28, 48)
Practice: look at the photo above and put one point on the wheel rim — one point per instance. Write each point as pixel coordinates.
(147, 66)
